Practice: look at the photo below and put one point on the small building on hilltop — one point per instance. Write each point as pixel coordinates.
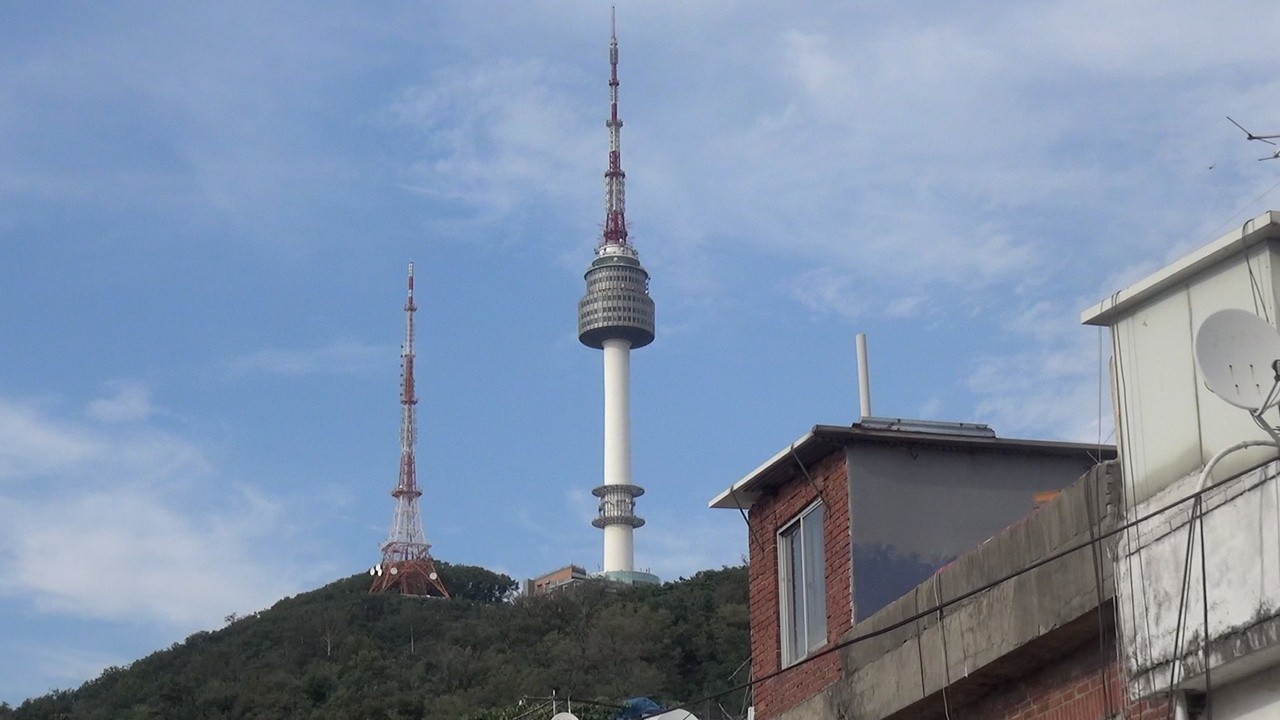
(564, 577)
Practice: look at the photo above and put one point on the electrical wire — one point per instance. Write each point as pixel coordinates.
(940, 606)
(1125, 439)
(1178, 633)
(1204, 602)
(1095, 521)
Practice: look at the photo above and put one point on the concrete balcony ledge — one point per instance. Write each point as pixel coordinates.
(1242, 546)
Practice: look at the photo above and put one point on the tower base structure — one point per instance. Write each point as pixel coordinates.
(630, 577)
(413, 578)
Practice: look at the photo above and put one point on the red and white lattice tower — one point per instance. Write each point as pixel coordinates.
(406, 564)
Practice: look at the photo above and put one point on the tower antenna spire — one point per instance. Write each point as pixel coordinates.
(617, 315)
(406, 555)
(615, 181)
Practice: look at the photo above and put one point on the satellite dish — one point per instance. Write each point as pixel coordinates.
(1236, 352)
(564, 716)
(434, 576)
(373, 571)
(674, 715)
(395, 570)
(378, 567)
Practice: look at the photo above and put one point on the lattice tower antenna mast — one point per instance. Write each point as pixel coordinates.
(616, 315)
(406, 555)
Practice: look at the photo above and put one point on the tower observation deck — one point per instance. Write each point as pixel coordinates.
(617, 315)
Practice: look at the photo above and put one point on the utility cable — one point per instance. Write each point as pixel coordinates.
(1095, 521)
(1179, 634)
(1204, 601)
(940, 606)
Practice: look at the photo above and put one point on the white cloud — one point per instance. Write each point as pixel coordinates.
(499, 137)
(826, 291)
(34, 446)
(121, 525)
(1055, 386)
(130, 401)
(673, 550)
(337, 358)
(135, 555)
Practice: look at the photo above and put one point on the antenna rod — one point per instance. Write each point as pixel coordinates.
(615, 181)
(864, 377)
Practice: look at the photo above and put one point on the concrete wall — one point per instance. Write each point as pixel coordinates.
(767, 516)
(996, 639)
(1242, 545)
(917, 508)
(1254, 698)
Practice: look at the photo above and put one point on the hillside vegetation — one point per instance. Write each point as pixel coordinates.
(338, 652)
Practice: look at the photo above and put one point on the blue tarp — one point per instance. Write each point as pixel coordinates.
(638, 708)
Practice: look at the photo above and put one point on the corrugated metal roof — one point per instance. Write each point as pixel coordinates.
(823, 439)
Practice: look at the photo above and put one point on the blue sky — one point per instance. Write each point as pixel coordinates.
(206, 213)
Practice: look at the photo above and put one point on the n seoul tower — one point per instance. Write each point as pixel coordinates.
(617, 315)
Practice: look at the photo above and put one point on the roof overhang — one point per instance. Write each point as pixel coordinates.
(824, 439)
(1260, 229)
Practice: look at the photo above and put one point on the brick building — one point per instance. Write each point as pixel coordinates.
(564, 577)
(847, 521)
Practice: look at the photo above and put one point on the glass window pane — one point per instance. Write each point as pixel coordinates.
(802, 571)
(815, 595)
(795, 631)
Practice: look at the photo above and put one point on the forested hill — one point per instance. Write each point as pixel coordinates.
(338, 652)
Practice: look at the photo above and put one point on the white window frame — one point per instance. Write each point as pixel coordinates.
(800, 530)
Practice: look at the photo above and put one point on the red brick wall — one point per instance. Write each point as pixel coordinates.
(1071, 688)
(768, 515)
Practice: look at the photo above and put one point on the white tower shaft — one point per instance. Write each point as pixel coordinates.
(618, 546)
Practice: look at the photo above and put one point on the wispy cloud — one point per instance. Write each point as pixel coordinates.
(128, 401)
(336, 358)
(497, 137)
(34, 446)
(1056, 387)
(672, 550)
(124, 510)
(136, 556)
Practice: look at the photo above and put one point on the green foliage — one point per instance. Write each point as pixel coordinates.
(339, 652)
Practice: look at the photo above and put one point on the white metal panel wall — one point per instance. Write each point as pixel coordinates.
(1155, 376)
(1248, 287)
(1170, 424)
